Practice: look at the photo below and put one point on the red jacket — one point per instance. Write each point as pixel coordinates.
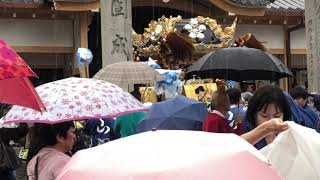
(217, 123)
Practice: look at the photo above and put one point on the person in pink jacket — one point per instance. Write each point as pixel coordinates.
(56, 140)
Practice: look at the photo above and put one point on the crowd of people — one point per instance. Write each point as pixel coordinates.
(258, 116)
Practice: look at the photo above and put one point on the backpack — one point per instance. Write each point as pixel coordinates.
(8, 158)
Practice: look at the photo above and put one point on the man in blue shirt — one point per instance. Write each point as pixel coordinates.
(316, 105)
(236, 113)
(308, 117)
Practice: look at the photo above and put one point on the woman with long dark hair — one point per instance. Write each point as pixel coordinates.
(267, 110)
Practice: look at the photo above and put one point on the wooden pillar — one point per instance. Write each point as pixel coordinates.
(84, 69)
(81, 39)
(284, 81)
(67, 69)
(84, 29)
(287, 37)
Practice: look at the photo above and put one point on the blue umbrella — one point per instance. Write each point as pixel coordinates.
(180, 113)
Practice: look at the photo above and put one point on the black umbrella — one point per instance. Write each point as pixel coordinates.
(239, 64)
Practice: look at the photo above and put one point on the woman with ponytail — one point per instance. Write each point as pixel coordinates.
(216, 120)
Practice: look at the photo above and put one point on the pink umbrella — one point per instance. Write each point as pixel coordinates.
(15, 87)
(169, 155)
(76, 99)
(11, 64)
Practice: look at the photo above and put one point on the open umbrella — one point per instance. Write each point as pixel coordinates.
(170, 155)
(180, 113)
(76, 99)
(20, 91)
(239, 64)
(15, 87)
(128, 72)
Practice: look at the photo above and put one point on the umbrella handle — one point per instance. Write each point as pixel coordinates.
(87, 70)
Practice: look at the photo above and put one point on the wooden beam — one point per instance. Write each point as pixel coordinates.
(189, 6)
(238, 10)
(204, 9)
(40, 66)
(42, 49)
(41, 13)
(298, 51)
(21, 5)
(282, 51)
(284, 13)
(260, 20)
(77, 6)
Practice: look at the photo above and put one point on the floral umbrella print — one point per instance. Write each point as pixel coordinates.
(12, 65)
(77, 99)
(15, 87)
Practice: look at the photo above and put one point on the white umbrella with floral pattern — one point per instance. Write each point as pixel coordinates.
(77, 99)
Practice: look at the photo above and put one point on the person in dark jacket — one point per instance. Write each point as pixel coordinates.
(135, 93)
(7, 135)
(316, 105)
(100, 131)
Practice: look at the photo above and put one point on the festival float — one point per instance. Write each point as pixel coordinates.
(176, 43)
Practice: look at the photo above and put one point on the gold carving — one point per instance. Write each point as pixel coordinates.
(148, 43)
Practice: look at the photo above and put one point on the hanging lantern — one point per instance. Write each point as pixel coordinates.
(84, 56)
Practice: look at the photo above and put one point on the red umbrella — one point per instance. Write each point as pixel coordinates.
(12, 65)
(15, 87)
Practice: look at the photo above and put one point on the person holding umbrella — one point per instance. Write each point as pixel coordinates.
(54, 141)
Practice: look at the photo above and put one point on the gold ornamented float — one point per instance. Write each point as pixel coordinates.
(204, 34)
(174, 41)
